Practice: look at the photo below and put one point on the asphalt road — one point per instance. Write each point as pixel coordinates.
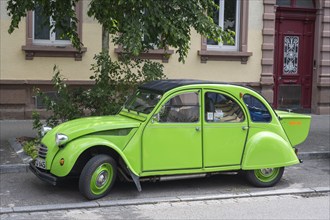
(270, 207)
(25, 189)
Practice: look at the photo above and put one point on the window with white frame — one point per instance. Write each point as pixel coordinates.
(43, 34)
(228, 18)
(42, 41)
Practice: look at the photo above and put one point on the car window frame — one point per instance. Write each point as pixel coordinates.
(155, 116)
(263, 103)
(240, 104)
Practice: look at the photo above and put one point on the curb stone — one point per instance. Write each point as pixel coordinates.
(18, 148)
(38, 208)
(213, 197)
(100, 204)
(321, 189)
(314, 155)
(138, 201)
(14, 168)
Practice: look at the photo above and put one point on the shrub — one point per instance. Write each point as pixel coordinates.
(113, 81)
(30, 148)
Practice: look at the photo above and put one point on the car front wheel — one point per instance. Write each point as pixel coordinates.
(98, 176)
(265, 177)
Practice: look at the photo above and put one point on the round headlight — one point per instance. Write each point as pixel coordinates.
(60, 139)
(44, 130)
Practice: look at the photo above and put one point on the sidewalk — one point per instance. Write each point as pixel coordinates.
(13, 159)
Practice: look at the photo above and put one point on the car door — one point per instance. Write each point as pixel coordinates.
(173, 139)
(225, 129)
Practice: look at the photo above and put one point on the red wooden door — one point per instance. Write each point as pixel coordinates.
(293, 67)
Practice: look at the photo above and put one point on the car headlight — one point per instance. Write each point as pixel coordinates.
(60, 139)
(44, 130)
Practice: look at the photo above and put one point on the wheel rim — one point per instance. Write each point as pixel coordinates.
(267, 174)
(101, 179)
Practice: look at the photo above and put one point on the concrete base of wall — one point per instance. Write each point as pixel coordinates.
(17, 100)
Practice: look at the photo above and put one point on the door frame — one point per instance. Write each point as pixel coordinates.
(299, 14)
(191, 125)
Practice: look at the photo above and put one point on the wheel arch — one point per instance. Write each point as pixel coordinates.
(85, 156)
(267, 149)
(75, 158)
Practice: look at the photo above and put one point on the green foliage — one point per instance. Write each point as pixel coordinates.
(30, 148)
(148, 23)
(37, 125)
(65, 106)
(113, 80)
(136, 25)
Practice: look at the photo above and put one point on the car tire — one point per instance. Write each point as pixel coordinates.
(266, 177)
(98, 176)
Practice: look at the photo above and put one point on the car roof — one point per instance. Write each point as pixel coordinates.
(162, 86)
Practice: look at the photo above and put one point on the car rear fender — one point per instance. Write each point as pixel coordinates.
(71, 152)
(268, 150)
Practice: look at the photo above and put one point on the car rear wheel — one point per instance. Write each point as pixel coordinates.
(98, 176)
(265, 177)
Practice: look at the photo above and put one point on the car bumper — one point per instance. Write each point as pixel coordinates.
(44, 176)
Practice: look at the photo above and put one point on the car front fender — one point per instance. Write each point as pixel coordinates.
(268, 150)
(70, 153)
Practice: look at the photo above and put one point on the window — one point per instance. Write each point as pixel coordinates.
(44, 35)
(221, 108)
(257, 110)
(296, 3)
(232, 15)
(181, 108)
(39, 101)
(283, 2)
(41, 41)
(227, 17)
(143, 101)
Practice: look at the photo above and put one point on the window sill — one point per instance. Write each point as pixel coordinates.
(224, 55)
(32, 51)
(157, 54)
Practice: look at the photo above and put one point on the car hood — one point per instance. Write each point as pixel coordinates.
(79, 127)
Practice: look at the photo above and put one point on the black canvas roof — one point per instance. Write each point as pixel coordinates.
(162, 86)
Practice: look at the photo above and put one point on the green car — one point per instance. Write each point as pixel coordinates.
(171, 129)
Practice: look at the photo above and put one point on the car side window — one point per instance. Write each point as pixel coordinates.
(257, 110)
(222, 108)
(181, 108)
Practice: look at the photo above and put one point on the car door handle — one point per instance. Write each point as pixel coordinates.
(244, 128)
(198, 128)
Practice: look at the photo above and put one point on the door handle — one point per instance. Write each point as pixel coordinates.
(244, 128)
(198, 128)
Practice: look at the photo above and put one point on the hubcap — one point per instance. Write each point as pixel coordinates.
(101, 179)
(266, 174)
(266, 171)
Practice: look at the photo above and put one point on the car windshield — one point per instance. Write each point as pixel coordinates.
(143, 101)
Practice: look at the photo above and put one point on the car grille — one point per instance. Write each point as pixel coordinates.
(42, 151)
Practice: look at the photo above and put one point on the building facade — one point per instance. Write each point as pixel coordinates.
(281, 48)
